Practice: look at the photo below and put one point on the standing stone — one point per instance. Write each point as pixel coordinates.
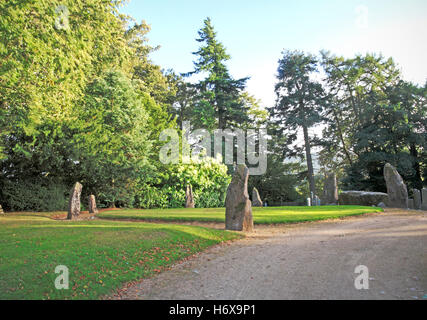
(417, 199)
(256, 199)
(189, 198)
(92, 204)
(1, 210)
(396, 188)
(238, 208)
(330, 189)
(411, 204)
(74, 203)
(424, 196)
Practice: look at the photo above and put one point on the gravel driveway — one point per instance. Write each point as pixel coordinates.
(306, 261)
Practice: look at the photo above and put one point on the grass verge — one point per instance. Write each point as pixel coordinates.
(101, 255)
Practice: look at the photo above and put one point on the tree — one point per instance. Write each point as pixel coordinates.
(218, 103)
(299, 103)
(113, 139)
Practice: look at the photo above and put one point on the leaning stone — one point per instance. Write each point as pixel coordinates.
(256, 199)
(396, 188)
(417, 199)
(189, 199)
(330, 189)
(92, 204)
(74, 203)
(362, 198)
(238, 208)
(381, 205)
(424, 198)
(411, 204)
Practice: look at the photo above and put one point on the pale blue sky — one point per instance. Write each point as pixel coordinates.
(256, 32)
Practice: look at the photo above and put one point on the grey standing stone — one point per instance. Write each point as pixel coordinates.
(330, 189)
(396, 188)
(238, 207)
(92, 204)
(417, 199)
(74, 203)
(424, 198)
(411, 203)
(189, 199)
(256, 199)
(381, 205)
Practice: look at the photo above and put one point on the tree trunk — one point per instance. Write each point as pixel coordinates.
(418, 183)
(310, 174)
(337, 120)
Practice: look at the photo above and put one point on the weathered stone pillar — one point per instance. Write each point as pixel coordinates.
(424, 199)
(396, 188)
(189, 199)
(256, 199)
(417, 199)
(330, 189)
(74, 203)
(238, 208)
(92, 204)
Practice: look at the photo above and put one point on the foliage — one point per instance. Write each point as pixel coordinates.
(208, 178)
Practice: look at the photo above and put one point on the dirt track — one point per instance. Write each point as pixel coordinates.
(306, 261)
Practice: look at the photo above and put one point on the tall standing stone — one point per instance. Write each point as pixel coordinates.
(189, 199)
(238, 208)
(330, 189)
(256, 199)
(74, 203)
(417, 199)
(92, 204)
(396, 188)
(424, 199)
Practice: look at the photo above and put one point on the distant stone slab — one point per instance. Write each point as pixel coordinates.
(238, 207)
(92, 204)
(362, 198)
(74, 202)
(417, 199)
(256, 199)
(411, 204)
(189, 198)
(424, 199)
(330, 189)
(1, 210)
(396, 188)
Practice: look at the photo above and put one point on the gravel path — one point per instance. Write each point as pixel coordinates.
(306, 261)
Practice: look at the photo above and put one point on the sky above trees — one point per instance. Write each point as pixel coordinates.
(256, 32)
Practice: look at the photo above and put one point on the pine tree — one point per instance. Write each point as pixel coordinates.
(299, 102)
(219, 103)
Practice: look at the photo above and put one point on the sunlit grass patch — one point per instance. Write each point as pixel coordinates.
(264, 215)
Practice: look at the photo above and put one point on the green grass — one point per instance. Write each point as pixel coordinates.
(265, 215)
(101, 255)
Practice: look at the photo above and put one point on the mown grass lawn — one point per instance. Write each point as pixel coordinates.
(100, 255)
(264, 215)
